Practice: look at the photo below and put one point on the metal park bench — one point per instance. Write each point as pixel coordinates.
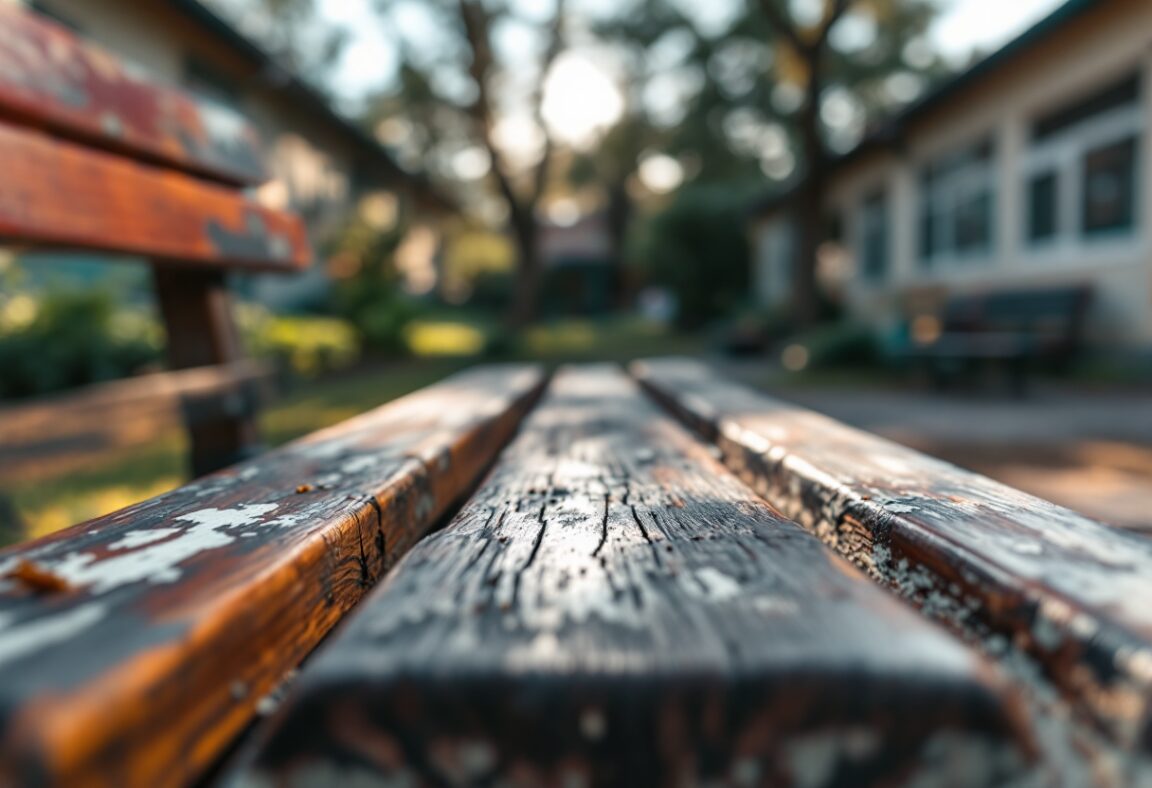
(654, 578)
(1018, 330)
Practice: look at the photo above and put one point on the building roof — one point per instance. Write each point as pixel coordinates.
(890, 133)
(278, 77)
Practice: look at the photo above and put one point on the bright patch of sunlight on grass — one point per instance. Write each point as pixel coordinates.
(70, 510)
(562, 338)
(444, 338)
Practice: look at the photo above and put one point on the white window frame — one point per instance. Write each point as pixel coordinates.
(944, 198)
(1064, 154)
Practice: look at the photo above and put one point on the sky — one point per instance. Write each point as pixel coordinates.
(963, 26)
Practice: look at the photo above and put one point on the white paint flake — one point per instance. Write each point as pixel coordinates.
(160, 563)
(134, 539)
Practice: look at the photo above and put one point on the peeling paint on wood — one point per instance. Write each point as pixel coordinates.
(1070, 591)
(613, 607)
(61, 194)
(51, 79)
(129, 676)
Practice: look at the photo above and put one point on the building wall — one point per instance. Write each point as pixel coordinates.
(1110, 41)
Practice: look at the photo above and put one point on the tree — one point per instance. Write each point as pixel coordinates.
(806, 54)
(451, 102)
(633, 32)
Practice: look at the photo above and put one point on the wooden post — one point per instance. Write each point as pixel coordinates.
(196, 309)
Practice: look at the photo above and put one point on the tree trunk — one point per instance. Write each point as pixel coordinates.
(619, 215)
(525, 306)
(809, 206)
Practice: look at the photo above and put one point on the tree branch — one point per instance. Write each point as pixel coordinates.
(477, 31)
(783, 24)
(556, 41)
(832, 14)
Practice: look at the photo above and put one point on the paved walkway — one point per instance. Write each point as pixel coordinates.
(1088, 450)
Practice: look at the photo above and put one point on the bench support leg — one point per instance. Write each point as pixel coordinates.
(196, 309)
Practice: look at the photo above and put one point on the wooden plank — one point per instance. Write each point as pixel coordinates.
(979, 554)
(63, 433)
(197, 313)
(135, 647)
(61, 194)
(52, 79)
(612, 607)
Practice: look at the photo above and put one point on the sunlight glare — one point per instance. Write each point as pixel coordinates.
(580, 100)
(661, 173)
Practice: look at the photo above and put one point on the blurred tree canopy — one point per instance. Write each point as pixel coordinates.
(697, 248)
(826, 71)
(755, 94)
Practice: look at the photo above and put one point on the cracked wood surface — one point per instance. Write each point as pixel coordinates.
(614, 607)
(1071, 591)
(135, 647)
(61, 194)
(53, 80)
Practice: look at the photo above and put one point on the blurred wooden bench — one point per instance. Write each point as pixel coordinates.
(96, 158)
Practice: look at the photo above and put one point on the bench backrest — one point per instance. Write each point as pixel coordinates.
(96, 157)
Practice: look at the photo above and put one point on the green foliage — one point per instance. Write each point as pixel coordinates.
(72, 338)
(845, 344)
(368, 296)
(697, 248)
(305, 344)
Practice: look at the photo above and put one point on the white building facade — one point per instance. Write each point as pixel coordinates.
(1032, 170)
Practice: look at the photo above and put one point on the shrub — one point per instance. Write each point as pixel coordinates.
(306, 344)
(698, 248)
(74, 338)
(368, 293)
(845, 344)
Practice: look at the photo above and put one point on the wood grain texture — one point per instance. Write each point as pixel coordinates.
(135, 647)
(1071, 591)
(612, 607)
(60, 194)
(51, 79)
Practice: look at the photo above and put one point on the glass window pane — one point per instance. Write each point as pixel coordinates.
(927, 235)
(1043, 206)
(1109, 196)
(874, 237)
(972, 222)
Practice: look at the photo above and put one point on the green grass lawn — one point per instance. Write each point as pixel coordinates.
(53, 502)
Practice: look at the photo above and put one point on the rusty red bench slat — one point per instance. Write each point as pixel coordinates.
(1071, 591)
(135, 647)
(63, 195)
(51, 79)
(614, 607)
